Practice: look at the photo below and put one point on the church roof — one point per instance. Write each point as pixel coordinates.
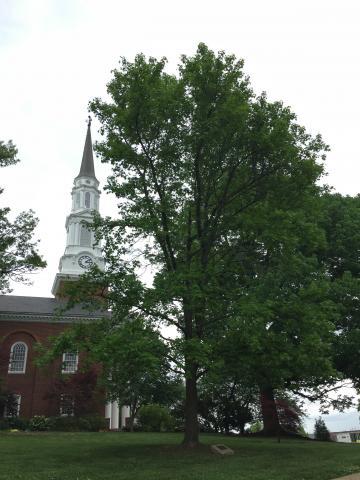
(87, 163)
(43, 306)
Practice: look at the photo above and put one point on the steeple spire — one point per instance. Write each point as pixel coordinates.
(87, 163)
(81, 251)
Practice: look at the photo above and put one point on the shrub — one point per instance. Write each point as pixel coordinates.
(4, 424)
(83, 425)
(39, 423)
(255, 427)
(69, 424)
(136, 428)
(321, 432)
(155, 418)
(19, 423)
(95, 422)
(89, 423)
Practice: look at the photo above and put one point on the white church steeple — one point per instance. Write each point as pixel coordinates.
(81, 251)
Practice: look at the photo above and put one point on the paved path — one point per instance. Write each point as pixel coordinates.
(355, 476)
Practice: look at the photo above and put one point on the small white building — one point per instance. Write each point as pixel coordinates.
(348, 436)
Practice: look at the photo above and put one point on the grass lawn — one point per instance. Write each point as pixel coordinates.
(156, 456)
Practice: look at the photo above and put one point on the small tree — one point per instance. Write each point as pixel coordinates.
(81, 387)
(226, 403)
(155, 418)
(320, 430)
(289, 413)
(8, 401)
(134, 366)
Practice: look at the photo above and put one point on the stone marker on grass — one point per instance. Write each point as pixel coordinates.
(221, 449)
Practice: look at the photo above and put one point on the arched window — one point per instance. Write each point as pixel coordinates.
(85, 236)
(18, 356)
(87, 199)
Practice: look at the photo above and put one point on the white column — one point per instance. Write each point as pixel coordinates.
(125, 412)
(77, 233)
(114, 422)
(72, 234)
(108, 412)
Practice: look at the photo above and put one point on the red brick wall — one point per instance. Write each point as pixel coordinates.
(36, 383)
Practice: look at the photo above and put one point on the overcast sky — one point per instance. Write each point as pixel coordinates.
(58, 54)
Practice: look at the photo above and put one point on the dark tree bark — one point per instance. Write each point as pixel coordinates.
(270, 416)
(133, 411)
(191, 434)
(131, 423)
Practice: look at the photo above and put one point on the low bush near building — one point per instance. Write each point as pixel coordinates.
(96, 423)
(4, 424)
(14, 423)
(39, 423)
(155, 418)
(90, 423)
(69, 424)
(19, 423)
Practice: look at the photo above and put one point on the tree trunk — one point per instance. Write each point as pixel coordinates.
(269, 413)
(226, 425)
(131, 423)
(191, 430)
(133, 412)
(191, 434)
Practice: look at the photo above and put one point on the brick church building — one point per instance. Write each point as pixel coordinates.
(24, 321)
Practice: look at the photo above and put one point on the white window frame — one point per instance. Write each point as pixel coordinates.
(66, 362)
(18, 404)
(64, 414)
(11, 361)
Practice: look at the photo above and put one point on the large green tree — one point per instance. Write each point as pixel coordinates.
(194, 157)
(286, 311)
(340, 220)
(19, 256)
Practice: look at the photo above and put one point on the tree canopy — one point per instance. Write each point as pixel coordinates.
(19, 256)
(213, 185)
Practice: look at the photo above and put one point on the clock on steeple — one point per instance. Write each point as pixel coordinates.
(85, 261)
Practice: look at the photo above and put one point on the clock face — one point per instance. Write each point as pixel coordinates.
(85, 261)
